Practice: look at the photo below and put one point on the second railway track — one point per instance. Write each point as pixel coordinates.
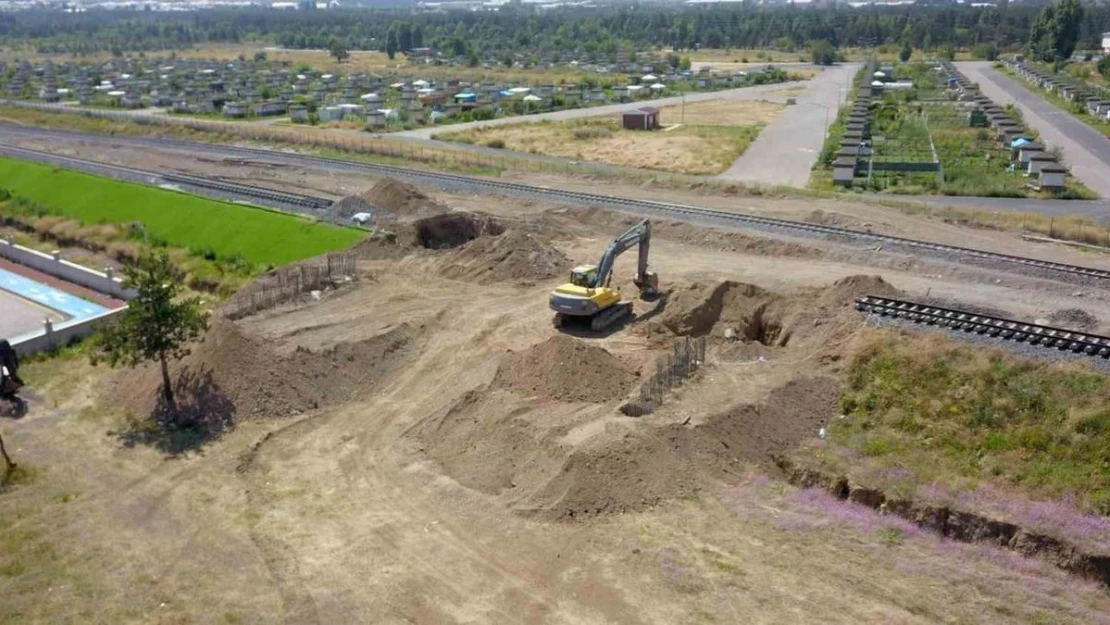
(682, 212)
(1047, 337)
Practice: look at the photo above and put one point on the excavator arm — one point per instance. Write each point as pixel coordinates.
(640, 235)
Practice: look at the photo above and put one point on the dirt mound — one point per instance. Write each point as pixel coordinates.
(570, 461)
(654, 464)
(847, 290)
(746, 309)
(512, 256)
(240, 376)
(1074, 319)
(401, 199)
(351, 205)
(565, 369)
(454, 230)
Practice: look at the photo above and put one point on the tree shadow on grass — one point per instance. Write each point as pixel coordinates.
(203, 414)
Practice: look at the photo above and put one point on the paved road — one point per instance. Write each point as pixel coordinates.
(1086, 150)
(757, 92)
(785, 151)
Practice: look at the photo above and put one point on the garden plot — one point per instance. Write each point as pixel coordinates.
(923, 143)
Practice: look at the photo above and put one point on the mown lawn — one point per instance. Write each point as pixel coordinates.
(964, 417)
(229, 230)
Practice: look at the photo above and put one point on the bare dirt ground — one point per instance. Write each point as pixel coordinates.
(423, 447)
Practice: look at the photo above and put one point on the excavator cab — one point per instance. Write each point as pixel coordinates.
(584, 276)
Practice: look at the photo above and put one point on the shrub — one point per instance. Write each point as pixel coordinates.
(587, 133)
(497, 144)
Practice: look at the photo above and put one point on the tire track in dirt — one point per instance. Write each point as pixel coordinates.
(297, 603)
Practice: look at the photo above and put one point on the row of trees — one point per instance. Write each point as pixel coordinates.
(514, 28)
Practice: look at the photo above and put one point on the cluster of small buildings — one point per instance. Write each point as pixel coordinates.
(1070, 90)
(258, 88)
(1026, 154)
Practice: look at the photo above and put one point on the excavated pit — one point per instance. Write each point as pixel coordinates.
(453, 230)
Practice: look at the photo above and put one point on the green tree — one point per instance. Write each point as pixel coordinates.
(823, 52)
(987, 51)
(1055, 33)
(947, 52)
(906, 52)
(158, 324)
(339, 51)
(472, 59)
(1104, 66)
(391, 44)
(260, 56)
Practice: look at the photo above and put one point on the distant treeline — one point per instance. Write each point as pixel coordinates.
(566, 32)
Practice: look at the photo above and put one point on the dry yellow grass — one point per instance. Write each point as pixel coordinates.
(714, 134)
(721, 113)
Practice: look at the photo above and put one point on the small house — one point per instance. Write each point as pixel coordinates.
(298, 114)
(235, 110)
(1039, 162)
(1052, 177)
(646, 118)
(844, 170)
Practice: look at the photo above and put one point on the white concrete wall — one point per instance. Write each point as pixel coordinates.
(59, 335)
(55, 265)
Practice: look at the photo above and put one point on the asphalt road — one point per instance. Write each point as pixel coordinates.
(744, 93)
(1086, 150)
(785, 151)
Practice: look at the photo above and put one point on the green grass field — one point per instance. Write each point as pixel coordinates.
(959, 417)
(258, 236)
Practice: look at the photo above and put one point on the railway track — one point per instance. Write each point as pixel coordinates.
(233, 189)
(1047, 337)
(681, 212)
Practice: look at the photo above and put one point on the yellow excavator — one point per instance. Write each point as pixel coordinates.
(589, 300)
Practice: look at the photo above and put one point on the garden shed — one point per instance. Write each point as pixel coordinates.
(645, 118)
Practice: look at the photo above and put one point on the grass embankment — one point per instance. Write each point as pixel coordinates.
(705, 140)
(218, 245)
(259, 236)
(928, 412)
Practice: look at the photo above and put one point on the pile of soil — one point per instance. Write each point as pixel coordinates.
(845, 291)
(1074, 319)
(401, 199)
(539, 463)
(514, 256)
(630, 472)
(565, 369)
(454, 230)
(239, 376)
(351, 205)
(748, 310)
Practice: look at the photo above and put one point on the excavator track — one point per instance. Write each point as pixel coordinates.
(610, 316)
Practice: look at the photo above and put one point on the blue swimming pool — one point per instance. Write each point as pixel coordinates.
(69, 305)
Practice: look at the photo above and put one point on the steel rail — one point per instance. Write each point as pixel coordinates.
(1009, 329)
